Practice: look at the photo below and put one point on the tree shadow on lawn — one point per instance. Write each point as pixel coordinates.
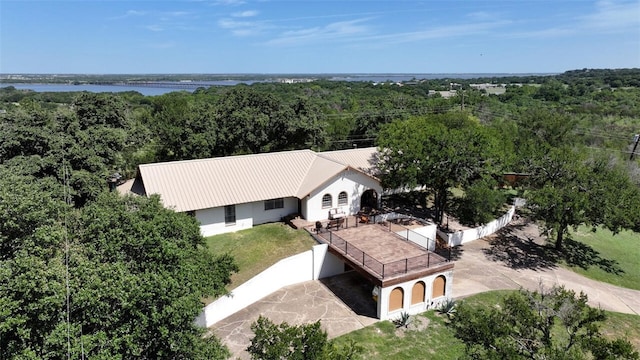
(518, 253)
(517, 249)
(584, 256)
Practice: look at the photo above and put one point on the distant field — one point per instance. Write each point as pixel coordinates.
(614, 259)
(258, 248)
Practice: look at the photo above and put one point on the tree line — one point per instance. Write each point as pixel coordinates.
(85, 272)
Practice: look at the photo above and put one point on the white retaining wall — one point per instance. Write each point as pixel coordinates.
(309, 265)
(464, 236)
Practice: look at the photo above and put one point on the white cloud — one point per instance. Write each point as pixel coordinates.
(232, 24)
(608, 17)
(481, 15)
(229, 2)
(548, 33)
(154, 27)
(248, 13)
(443, 32)
(332, 31)
(129, 13)
(613, 16)
(355, 32)
(243, 28)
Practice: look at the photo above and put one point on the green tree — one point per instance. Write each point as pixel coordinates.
(549, 324)
(135, 273)
(185, 127)
(570, 190)
(437, 152)
(480, 203)
(304, 342)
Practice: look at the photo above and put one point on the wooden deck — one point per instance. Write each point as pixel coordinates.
(382, 255)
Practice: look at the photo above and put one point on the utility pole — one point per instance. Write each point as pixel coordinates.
(636, 139)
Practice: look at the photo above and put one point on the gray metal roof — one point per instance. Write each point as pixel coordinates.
(205, 183)
(364, 159)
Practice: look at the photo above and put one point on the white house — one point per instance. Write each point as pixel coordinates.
(236, 192)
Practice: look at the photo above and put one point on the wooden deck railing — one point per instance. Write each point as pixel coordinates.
(382, 270)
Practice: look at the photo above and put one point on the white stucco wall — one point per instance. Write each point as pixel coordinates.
(325, 264)
(212, 220)
(247, 215)
(314, 264)
(464, 236)
(407, 287)
(262, 216)
(352, 182)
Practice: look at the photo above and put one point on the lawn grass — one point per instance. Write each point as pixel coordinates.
(437, 340)
(381, 341)
(258, 248)
(607, 257)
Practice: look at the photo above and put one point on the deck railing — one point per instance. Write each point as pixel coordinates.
(396, 225)
(382, 270)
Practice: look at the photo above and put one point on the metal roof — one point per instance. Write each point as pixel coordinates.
(364, 159)
(206, 183)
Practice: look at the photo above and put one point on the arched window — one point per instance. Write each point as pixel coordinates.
(342, 199)
(439, 285)
(417, 293)
(327, 201)
(396, 299)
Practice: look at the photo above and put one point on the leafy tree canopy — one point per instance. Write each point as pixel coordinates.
(136, 273)
(304, 342)
(547, 324)
(437, 152)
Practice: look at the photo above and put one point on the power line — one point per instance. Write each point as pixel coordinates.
(67, 199)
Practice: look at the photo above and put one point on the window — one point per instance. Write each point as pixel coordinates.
(327, 201)
(274, 204)
(342, 198)
(230, 215)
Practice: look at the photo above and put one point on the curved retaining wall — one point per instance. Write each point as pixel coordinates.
(309, 265)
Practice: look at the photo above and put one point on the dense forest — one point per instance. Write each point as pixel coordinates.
(87, 272)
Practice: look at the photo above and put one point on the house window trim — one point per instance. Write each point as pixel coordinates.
(343, 199)
(324, 202)
(273, 204)
(228, 216)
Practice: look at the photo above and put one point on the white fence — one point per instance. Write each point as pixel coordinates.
(309, 265)
(464, 236)
(424, 236)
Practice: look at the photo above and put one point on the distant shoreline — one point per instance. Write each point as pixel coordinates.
(128, 79)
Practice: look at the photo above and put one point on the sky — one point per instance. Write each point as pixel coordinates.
(317, 36)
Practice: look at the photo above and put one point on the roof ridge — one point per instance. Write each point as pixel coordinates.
(226, 157)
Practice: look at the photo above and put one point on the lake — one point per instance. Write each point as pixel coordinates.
(149, 90)
(163, 87)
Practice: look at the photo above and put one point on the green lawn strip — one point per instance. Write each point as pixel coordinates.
(619, 325)
(437, 341)
(258, 248)
(382, 341)
(612, 258)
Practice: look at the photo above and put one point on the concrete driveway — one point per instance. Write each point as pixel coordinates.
(509, 260)
(342, 302)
